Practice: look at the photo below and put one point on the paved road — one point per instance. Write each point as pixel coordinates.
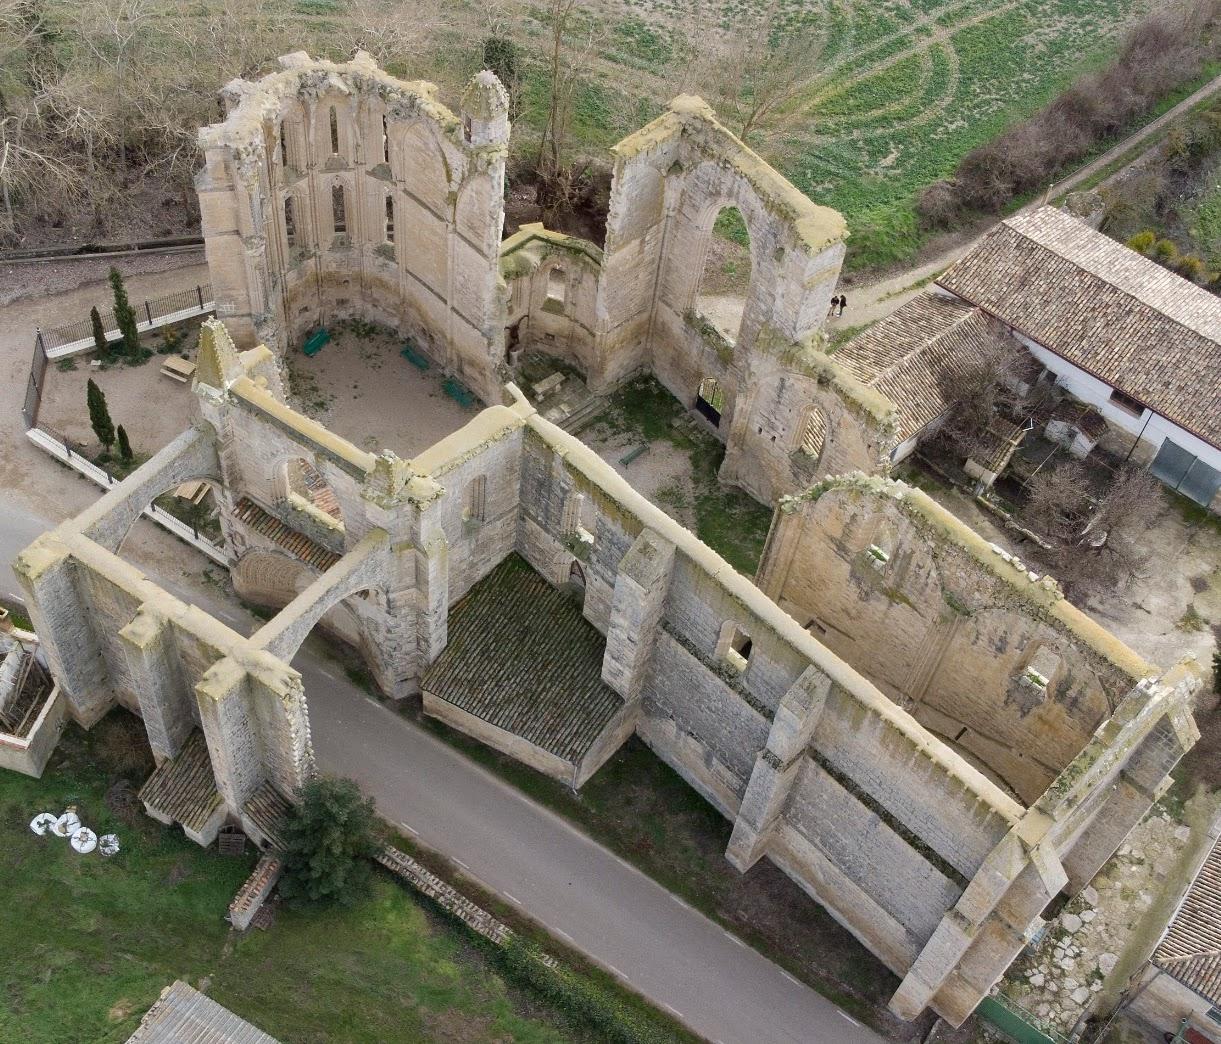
(579, 890)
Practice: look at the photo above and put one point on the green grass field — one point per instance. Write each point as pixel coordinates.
(904, 89)
(89, 943)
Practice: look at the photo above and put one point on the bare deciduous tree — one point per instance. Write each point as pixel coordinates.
(982, 388)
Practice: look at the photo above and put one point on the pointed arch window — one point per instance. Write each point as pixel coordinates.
(385, 141)
(290, 222)
(389, 218)
(339, 210)
(334, 116)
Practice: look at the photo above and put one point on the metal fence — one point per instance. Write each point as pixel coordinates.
(62, 449)
(33, 388)
(190, 301)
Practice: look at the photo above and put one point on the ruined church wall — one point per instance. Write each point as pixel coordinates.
(912, 823)
(552, 308)
(944, 634)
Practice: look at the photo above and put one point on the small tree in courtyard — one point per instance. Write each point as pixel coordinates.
(125, 317)
(125, 453)
(99, 332)
(329, 841)
(99, 415)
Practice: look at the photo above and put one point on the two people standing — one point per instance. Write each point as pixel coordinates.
(838, 303)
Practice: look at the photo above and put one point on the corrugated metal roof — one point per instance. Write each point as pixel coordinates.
(185, 1016)
(523, 658)
(1191, 947)
(1136, 326)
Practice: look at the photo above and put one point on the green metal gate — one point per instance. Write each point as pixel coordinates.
(1018, 1023)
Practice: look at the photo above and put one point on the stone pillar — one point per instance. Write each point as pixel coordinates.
(232, 736)
(152, 661)
(432, 616)
(776, 767)
(64, 624)
(641, 586)
(996, 910)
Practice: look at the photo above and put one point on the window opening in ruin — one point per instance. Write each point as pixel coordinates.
(300, 485)
(725, 275)
(466, 128)
(814, 434)
(339, 215)
(576, 575)
(385, 141)
(475, 511)
(735, 646)
(334, 132)
(580, 519)
(710, 400)
(557, 286)
(283, 145)
(389, 219)
(290, 223)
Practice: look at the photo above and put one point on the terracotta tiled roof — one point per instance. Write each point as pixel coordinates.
(1143, 330)
(522, 657)
(1191, 947)
(183, 787)
(913, 355)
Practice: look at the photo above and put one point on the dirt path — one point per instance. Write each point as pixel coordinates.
(872, 301)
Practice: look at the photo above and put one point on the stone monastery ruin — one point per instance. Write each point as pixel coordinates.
(925, 736)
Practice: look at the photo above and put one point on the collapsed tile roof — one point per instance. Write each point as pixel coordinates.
(1147, 332)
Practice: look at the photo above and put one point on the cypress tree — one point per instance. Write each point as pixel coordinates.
(99, 332)
(125, 453)
(125, 317)
(99, 415)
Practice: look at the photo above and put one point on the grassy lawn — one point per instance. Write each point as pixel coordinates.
(90, 943)
(732, 523)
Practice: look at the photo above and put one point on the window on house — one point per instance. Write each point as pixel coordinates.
(735, 646)
(389, 219)
(290, 223)
(334, 132)
(476, 509)
(339, 215)
(1127, 403)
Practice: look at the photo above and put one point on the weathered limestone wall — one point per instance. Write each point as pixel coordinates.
(334, 190)
(928, 860)
(987, 658)
(552, 291)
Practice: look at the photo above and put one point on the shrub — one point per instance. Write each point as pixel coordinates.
(330, 839)
(99, 414)
(1165, 250)
(1142, 242)
(125, 453)
(125, 317)
(1191, 266)
(1163, 52)
(99, 333)
(580, 998)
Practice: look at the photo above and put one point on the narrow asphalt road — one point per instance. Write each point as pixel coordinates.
(583, 893)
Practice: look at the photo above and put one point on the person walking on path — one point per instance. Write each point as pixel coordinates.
(834, 305)
(843, 303)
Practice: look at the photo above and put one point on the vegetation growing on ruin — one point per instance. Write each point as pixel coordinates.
(92, 941)
(732, 523)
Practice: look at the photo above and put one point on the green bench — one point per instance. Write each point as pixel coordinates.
(632, 454)
(315, 341)
(462, 395)
(414, 356)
